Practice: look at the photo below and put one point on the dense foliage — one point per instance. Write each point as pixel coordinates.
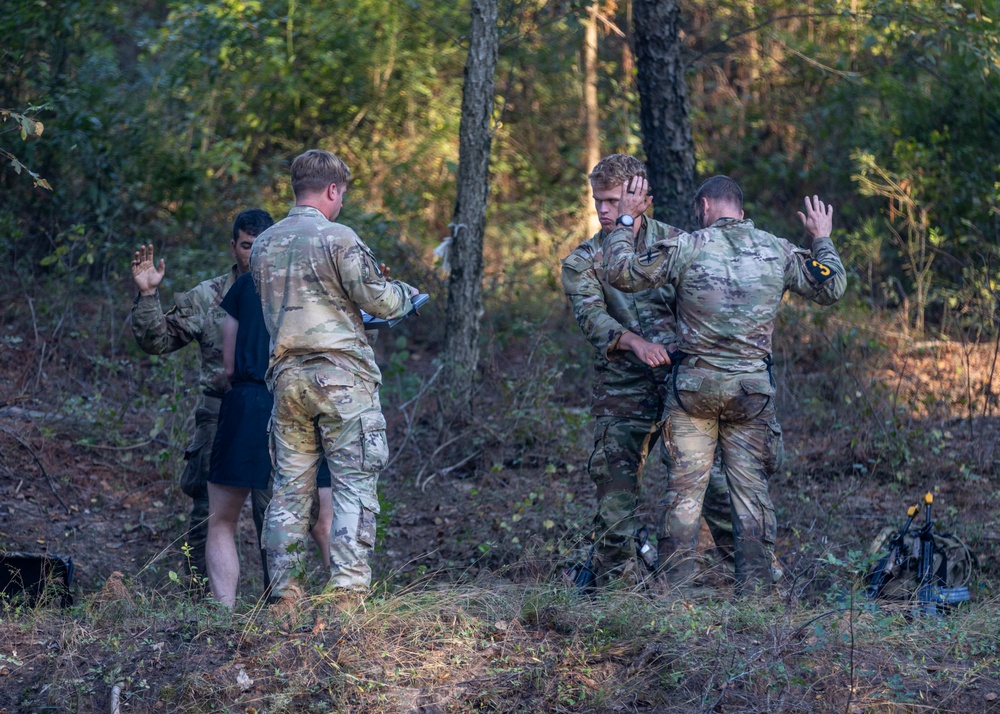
(163, 118)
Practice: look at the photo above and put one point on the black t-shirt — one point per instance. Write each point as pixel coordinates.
(253, 344)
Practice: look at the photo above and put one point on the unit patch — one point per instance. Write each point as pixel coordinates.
(820, 272)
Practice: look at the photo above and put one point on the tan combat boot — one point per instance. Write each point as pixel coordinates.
(287, 610)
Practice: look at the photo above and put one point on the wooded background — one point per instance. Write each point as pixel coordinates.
(155, 122)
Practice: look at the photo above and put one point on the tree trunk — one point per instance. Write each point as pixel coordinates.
(664, 114)
(592, 153)
(465, 291)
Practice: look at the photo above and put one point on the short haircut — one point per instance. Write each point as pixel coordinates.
(253, 222)
(316, 169)
(614, 170)
(720, 188)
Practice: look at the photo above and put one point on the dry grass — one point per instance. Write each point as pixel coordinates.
(501, 647)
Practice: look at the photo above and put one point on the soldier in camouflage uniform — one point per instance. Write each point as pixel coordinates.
(730, 278)
(314, 278)
(632, 335)
(195, 317)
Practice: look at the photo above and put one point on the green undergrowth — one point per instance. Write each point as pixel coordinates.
(490, 645)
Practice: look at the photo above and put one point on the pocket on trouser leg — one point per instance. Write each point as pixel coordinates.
(366, 528)
(771, 538)
(193, 482)
(615, 524)
(598, 467)
(352, 544)
(774, 448)
(374, 447)
(756, 565)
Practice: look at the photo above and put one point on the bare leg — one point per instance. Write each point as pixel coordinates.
(225, 503)
(324, 521)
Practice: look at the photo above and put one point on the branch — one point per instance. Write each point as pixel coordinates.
(40, 466)
(770, 21)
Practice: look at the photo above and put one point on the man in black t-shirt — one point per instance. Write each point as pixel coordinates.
(241, 464)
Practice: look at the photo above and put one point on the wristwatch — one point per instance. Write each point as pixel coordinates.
(625, 220)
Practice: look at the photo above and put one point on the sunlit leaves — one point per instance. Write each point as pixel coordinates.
(29, 128)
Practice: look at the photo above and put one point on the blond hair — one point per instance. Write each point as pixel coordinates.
(316, 169)
(614, 170)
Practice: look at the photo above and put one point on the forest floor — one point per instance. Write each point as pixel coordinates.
(471, 610)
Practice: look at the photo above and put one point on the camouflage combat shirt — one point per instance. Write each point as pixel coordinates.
(623, 386)
(314, 278)
(730, 278)
(195, 317)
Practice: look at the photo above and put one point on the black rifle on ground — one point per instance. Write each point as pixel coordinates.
(930, 584)
(898, 553)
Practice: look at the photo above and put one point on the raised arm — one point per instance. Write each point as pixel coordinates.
(626, 270)
(817, 274)
(155, 332)
(146, 274)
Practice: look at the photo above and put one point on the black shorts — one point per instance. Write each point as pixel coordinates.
(240, 454)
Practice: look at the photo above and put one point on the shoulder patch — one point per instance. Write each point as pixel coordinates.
(183, 305)
(578, 260)
(370, 274)
(818, 271)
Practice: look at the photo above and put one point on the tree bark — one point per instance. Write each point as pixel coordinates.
(592, 154)
(664, 114)
(465, 293)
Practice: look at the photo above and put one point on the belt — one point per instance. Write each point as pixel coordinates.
(678, 357)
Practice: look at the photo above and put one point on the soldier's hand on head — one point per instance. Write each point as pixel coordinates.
(145, 273)
(818, 218)
(635, 198)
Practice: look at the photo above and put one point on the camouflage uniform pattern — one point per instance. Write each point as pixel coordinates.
(314, 276)
(730, 279)
(195, 317)
(627, 398)
(623, 386)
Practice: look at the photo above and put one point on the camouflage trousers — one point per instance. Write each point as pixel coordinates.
(621, 445)
(324, 411)
(736, 412)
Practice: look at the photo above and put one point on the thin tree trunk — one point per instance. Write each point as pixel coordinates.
(590, 109)
(664, 114)
(465, 291)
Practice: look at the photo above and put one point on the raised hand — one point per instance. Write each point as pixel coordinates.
(634, 199)
(818, 218)
(145, 273)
